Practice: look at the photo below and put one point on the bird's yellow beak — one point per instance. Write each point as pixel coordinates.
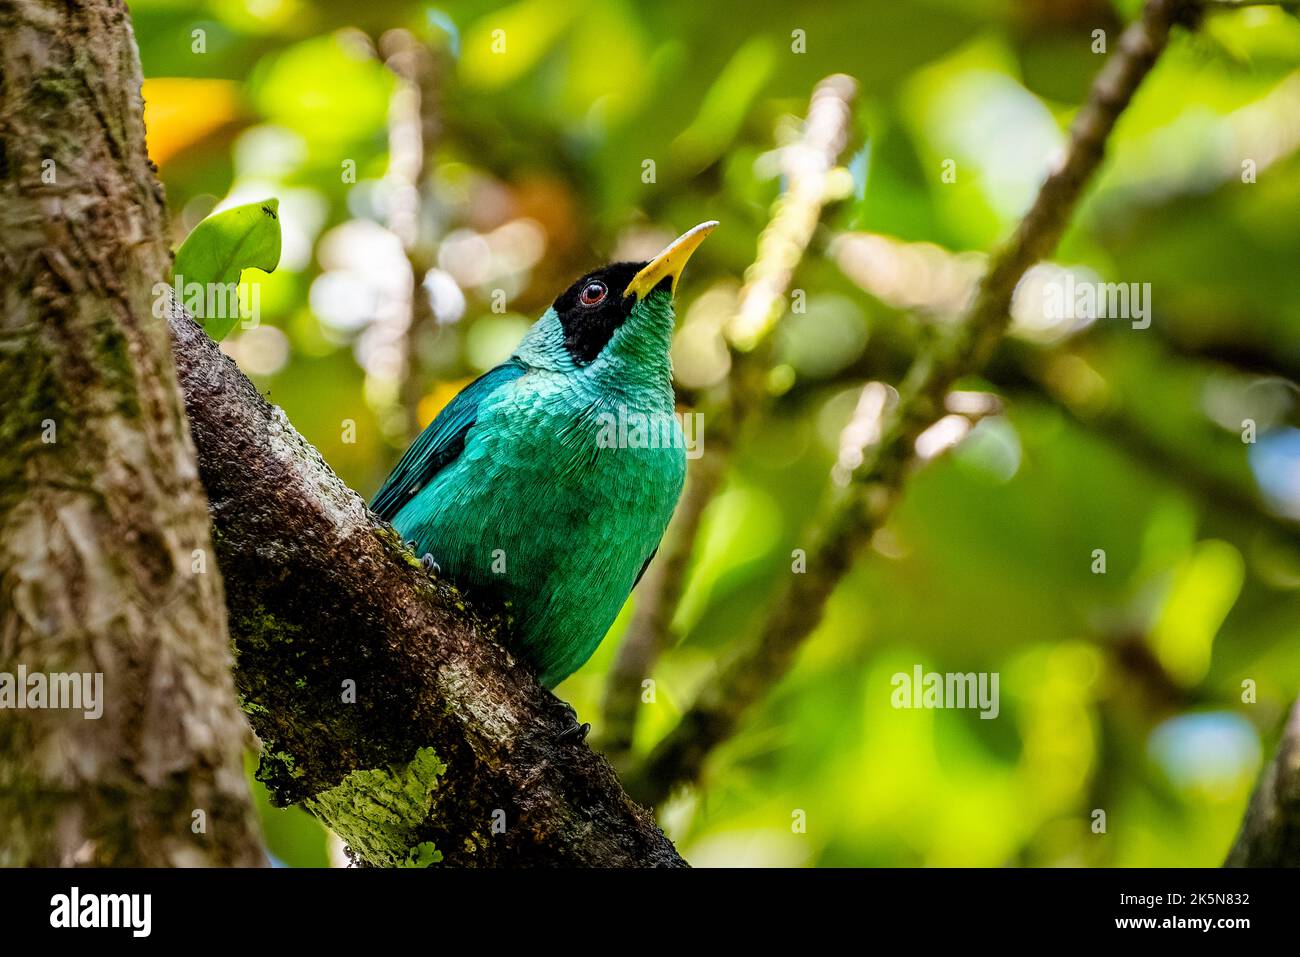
(670, 262)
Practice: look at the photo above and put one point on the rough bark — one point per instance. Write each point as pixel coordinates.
(103, 523)
(383, 703)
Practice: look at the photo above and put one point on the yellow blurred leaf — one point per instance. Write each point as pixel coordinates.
(724, 107)
(181, 111)
(439, 396)
(504, 45)
(1205, 588)
(615, 81)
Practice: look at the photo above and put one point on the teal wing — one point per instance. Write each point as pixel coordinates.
(440, 443)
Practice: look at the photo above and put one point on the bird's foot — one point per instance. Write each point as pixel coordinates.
(427, 561)
(577, 731)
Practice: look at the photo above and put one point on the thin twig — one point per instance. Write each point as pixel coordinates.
(873, 261)
(810, 167)
(1232, 4)
(413, 127)
(755, 668)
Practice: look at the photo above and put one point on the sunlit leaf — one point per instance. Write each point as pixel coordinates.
(503, 46)
(1204, 591)
(214, 256)
(725, 105)
(330, 89)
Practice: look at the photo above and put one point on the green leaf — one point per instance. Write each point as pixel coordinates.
(215, 255)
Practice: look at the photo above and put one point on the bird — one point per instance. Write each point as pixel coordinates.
(545, 485)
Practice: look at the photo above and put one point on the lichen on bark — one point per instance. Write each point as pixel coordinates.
(379, 813)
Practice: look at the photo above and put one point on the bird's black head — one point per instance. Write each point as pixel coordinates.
(593, 308)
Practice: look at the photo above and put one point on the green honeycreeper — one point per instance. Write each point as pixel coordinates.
(523, 489)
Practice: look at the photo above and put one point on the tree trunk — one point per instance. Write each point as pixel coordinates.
(106, 563)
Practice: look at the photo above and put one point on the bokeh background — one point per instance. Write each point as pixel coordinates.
(1120, 691)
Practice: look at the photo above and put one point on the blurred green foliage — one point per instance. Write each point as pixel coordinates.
(1121, 692)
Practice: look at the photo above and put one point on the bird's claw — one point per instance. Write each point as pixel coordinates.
(429, 565)
(577, 731)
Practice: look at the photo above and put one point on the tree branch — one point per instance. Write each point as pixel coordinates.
(1235, 4)
(1270, 832)
(383, 703)
(755, 668)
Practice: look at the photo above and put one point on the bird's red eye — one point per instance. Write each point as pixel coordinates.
(593, 294)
